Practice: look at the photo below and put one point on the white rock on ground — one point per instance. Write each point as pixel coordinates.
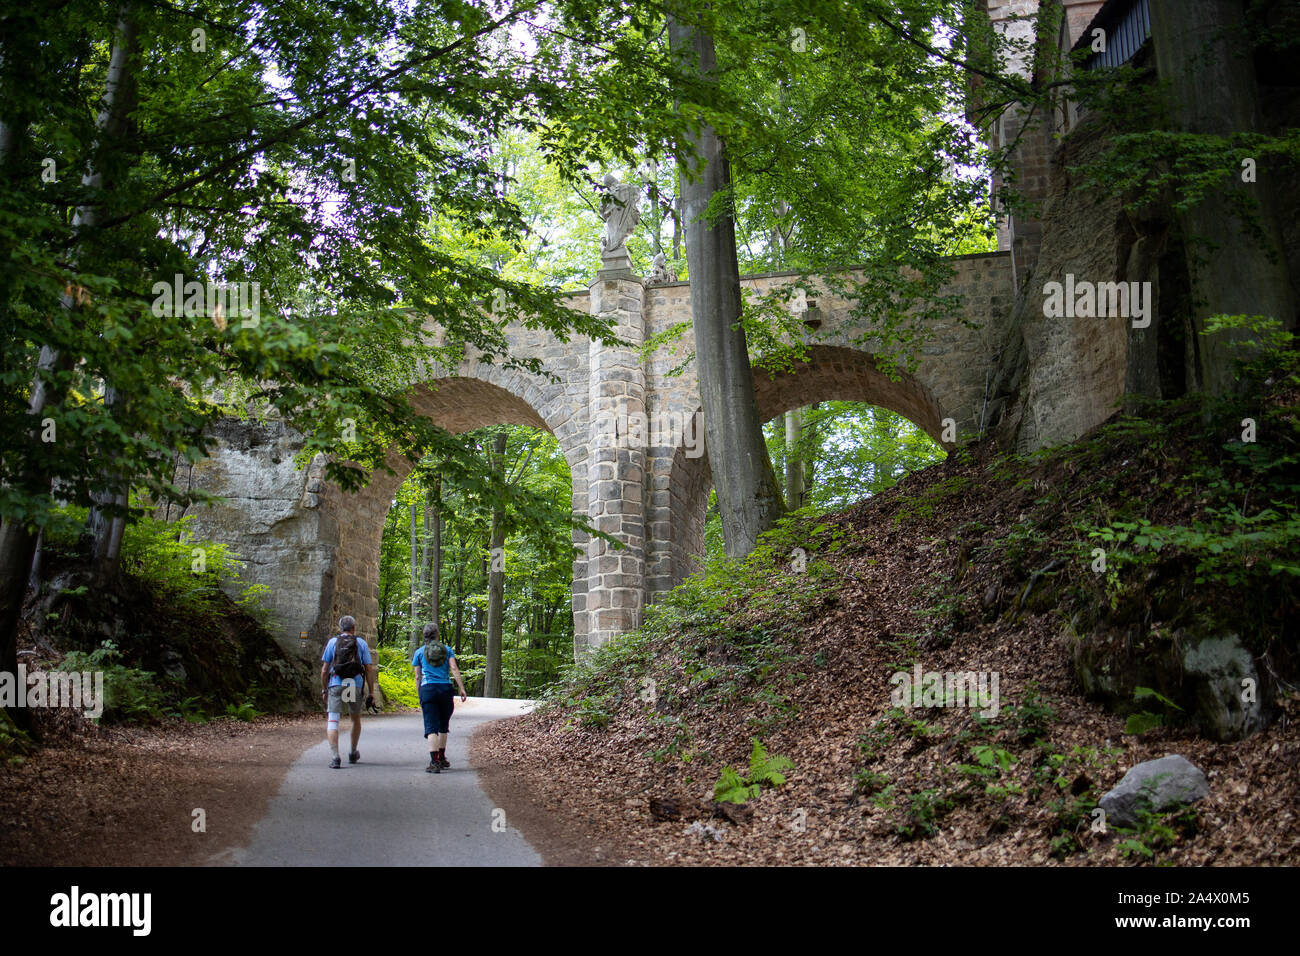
(1161, 784)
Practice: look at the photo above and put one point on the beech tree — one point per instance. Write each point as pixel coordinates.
(748, 495)
(842, 141)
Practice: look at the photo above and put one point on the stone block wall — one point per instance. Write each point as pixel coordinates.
(616, 464)
(1076, 366)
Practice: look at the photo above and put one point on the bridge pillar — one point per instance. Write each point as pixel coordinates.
(616, 462)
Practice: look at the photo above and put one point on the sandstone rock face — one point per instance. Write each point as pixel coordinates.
(1212, 677)
(271, 517)
(1157, 785)
(1225, 685)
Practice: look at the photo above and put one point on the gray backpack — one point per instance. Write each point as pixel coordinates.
(435, 653)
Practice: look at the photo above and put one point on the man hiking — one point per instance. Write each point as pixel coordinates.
(343, 662)
(434, 664)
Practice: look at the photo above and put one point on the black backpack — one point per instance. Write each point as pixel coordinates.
(347, 656)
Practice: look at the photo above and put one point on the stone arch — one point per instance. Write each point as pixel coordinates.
(689, 484)
(831, 373)
(835, 373)
(458, 403)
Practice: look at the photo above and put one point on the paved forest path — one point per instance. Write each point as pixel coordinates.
(386, 810)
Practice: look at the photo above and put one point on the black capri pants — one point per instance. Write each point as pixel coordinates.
(436, 704)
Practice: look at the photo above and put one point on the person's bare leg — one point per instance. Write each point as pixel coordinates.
(356, 731)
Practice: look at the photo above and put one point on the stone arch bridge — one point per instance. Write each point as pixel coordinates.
(641, 481)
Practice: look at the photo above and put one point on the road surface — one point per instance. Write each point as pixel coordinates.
(386, 810)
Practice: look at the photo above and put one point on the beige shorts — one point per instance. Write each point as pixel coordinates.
(337, 705)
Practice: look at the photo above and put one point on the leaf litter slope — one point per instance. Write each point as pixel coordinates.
(978, 564)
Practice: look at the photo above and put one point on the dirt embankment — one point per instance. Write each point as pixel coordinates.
(958, 569)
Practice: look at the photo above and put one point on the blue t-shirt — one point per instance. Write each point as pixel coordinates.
(363, 651)
(430, 674)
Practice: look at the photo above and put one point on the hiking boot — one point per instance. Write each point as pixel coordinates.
(336, 763)
(442, 762)
(434, 767)
(354, 756)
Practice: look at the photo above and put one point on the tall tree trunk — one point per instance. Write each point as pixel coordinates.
(1201, 52)
(795, 489)
(107, 519)
(478, 608)
(677, 225)
(496, 582)
(425, 557)
(460, 603)
(8, 134)
(11, 122)
(778, 237)
(34, 576)
(809, 460)
(414, 640)
(434, 567)
(657, 215)
(748, 495)
(17, 548)
(17, 540)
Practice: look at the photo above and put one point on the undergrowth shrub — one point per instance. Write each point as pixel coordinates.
(245, 710)
(15, 744)
(1209, 536)
(779, 582)
(182, 570)
(473, 670)
(396, 678)
(129, 693)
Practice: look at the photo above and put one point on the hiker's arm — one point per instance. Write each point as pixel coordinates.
(455, 672)
(372, 672)
(324, 676)
(418, 675)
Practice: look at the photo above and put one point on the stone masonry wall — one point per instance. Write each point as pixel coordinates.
(616, 464)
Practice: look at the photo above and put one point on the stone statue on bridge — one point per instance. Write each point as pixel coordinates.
(621, 211)
(660, 271)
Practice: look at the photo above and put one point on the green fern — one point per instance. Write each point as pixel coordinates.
(247, 711)
(1141, 693)
(1143, 721)
(764, 769)
(732, 788)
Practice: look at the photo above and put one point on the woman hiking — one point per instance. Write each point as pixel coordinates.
(434, 664)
